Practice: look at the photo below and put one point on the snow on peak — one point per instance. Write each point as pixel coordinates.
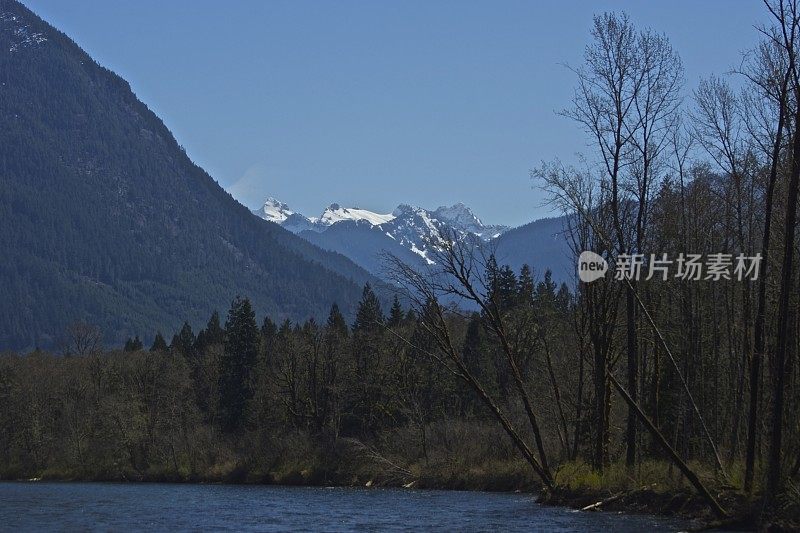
(461, 217)
(336, 213)
(412, 227)
(274, 211)
(404, 209)
(458, 215)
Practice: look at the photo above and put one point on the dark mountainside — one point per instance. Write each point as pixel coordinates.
(543, 244)
(365, 245)
(106, 219)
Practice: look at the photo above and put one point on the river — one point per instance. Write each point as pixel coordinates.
(46, 506)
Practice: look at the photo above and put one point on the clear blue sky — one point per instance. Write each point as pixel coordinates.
(375, 103)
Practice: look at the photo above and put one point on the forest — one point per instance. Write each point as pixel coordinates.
(672, 383)
(243, 400)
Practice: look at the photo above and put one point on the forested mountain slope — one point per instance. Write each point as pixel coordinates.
(105, 219)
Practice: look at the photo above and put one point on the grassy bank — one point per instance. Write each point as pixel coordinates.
(651, 488)
(656, 487)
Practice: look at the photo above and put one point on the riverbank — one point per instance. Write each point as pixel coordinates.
(652, 489)
(682, 504)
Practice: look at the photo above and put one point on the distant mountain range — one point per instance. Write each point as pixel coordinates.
(367, 237)
(105, 219)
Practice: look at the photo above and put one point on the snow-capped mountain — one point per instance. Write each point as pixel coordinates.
(413, 228)
(460, 216)
(274, 211)
(336, 213)
(279, 213)
(408, 232)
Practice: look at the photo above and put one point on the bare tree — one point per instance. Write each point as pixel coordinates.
(575, 193)
(628, 92)
(461, 273)
(82, 339)
(787, 17)
(765, 108)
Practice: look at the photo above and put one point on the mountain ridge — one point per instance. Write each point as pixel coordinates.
(107, 220)
(408, 233)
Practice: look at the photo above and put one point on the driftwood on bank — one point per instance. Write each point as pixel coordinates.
(601, 503)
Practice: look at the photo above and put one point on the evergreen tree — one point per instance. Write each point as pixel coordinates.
(133, 345)
(501, 284)
(369, 316)
(183, 342)
(526, 285)
(268, 329)
(237, 363)
(395, 313)
(269, 332)
(212, 334)
(159, 344)
(367, 344)
(546, 290)
(507, 288)
(563, 299)
(336, 323)
(478, 359)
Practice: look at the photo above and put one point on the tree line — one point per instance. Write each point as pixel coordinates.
(266, 400)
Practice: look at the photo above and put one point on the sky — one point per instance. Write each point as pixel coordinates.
(377, 103)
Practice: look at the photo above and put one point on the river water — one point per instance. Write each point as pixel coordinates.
(44, 506)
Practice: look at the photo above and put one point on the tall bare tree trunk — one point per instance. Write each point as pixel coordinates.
(774, 474)
(760, 322)
(633, 373)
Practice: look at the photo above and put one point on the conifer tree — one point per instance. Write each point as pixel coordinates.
(507, 290)
(212, 334)
(268, 328)
(336, 323)
(128, 345)
(236, 365)
(269, 332)
(159, 344)
(367, 341)
(526, 285)
(475, 349)
(183, 342)
(395, 313)
(369, 316)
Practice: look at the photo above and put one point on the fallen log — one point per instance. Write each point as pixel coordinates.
(676, 459)
(598, 505)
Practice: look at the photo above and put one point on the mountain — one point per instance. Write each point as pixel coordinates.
(461, 217)
(107, 220)
(367, 237)
(543, 244)
(364, 244)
